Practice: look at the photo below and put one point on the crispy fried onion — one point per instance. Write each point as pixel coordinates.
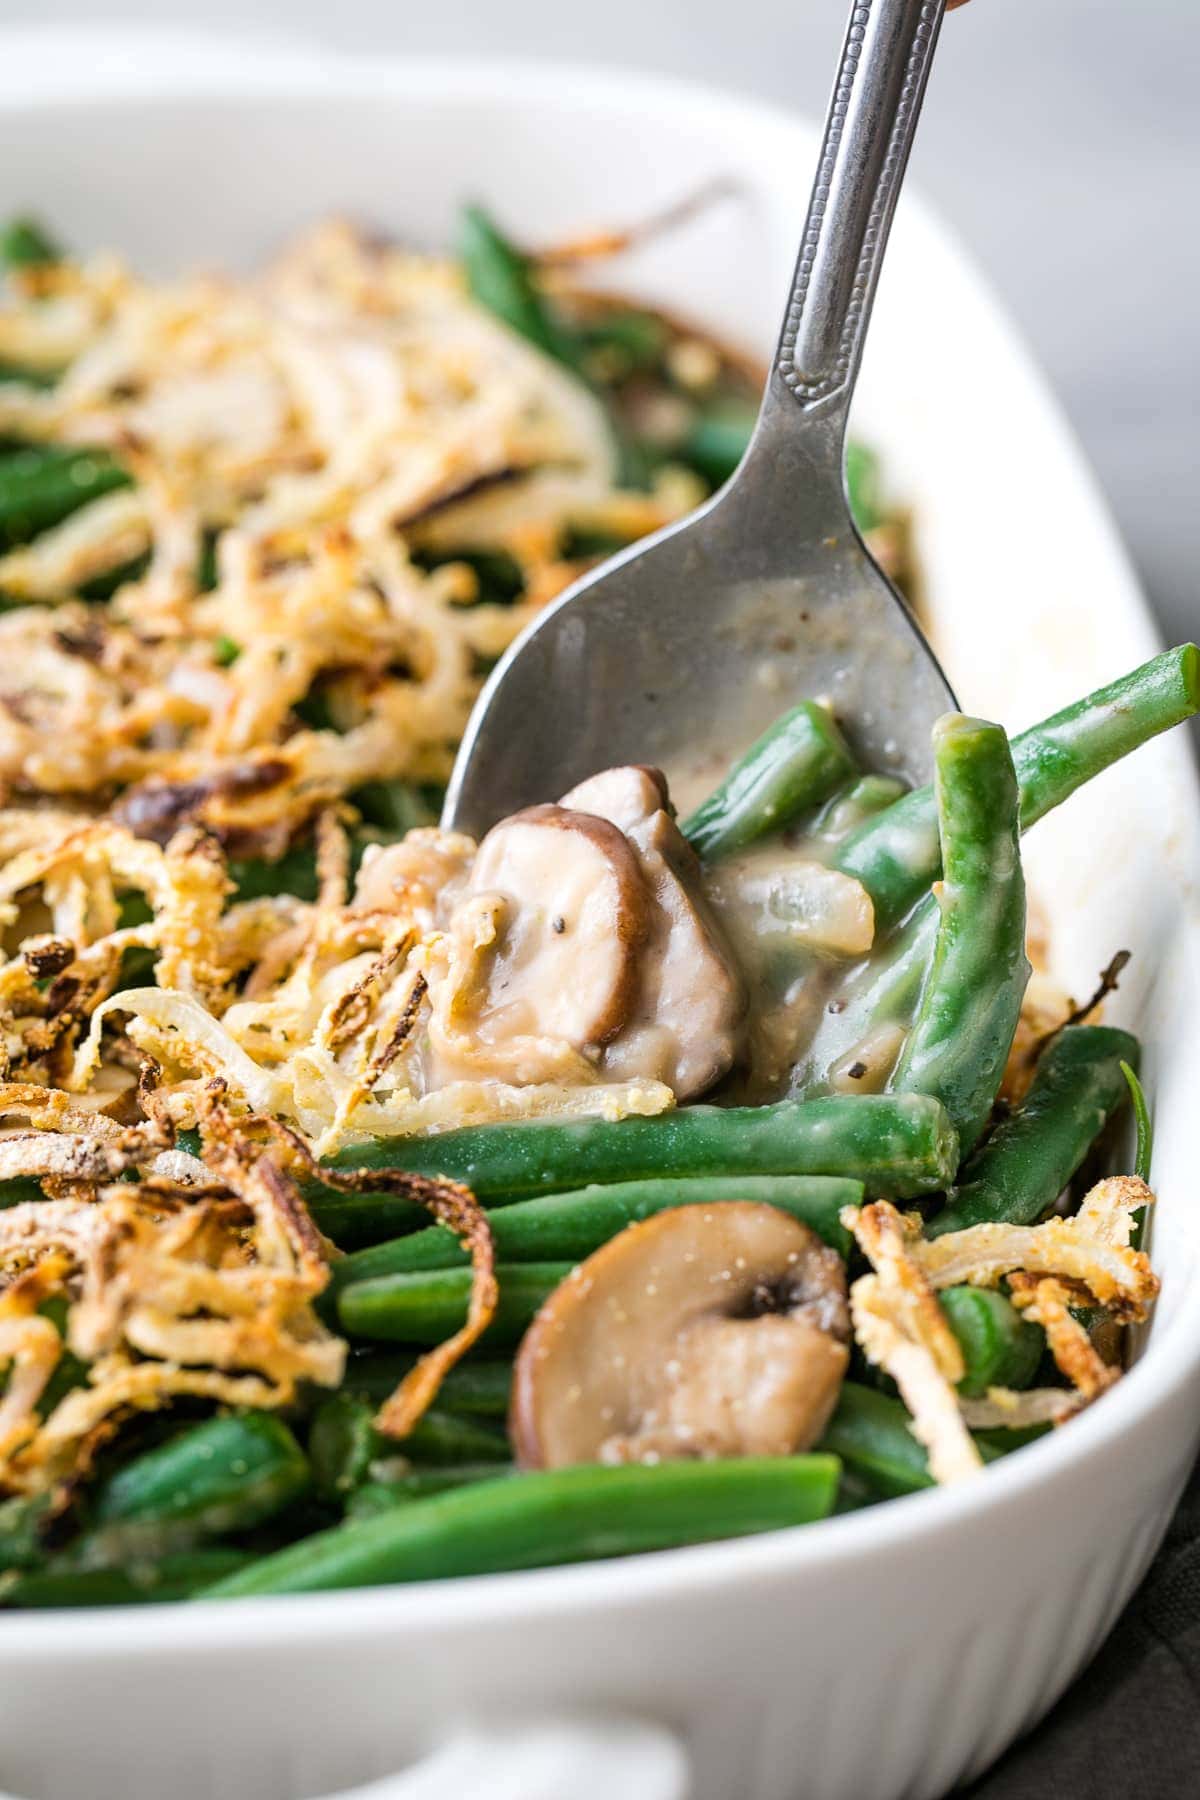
(456, 1207)
(1084, 1261)
(332, 442)
(85, 877)
(450, 1204)
(1047, 1302)
(323, 417)
(1092, 1249)
(902, 1329)
(327, 1032)
(69, 1143)
(202, 1290)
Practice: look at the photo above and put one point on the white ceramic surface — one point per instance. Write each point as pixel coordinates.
(871, 1657)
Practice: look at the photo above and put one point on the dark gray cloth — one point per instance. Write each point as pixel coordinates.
(1129, 1729)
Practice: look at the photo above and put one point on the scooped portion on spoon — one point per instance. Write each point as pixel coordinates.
(707, 1331)
(585, 945)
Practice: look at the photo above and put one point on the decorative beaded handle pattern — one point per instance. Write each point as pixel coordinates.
(868, 134)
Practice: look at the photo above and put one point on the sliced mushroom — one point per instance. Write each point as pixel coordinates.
(625, 796)
(691, 1003)
(704, 1331)
(566, 914)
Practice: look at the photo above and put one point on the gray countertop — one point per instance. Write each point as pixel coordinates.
(1062, 139)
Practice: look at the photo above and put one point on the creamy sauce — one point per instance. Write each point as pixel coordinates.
(804, 937)
(584, 946)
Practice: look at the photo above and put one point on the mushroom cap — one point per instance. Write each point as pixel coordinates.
(577, 913)
(716, 1330)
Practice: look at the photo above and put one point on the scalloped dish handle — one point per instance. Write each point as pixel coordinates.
(560, 1758)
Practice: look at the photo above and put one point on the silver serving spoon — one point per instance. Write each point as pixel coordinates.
(692, 640)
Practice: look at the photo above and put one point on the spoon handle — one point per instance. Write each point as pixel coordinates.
(868, 133)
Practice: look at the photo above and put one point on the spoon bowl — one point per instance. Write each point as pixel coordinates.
(699, 636)
(693, 639)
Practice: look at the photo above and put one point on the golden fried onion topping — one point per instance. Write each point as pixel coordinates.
(1079, 1262)
(450, 1204)
(202, 1288)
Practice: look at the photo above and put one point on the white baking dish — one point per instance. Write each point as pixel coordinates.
(873, 1656)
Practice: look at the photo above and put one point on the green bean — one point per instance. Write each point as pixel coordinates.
(375, 1497)
(1144, 1153)
(849, 807)
(224, 1475)
(900, 1145)
(623, 341)
(502, 281)
(556, 1516)
(443, 1437)
(717, 441)
(895, 855)
(104, 585)
(28, 375)
(580, 542)
(314, 710)
(797, 762)
(969, 1006)
(1000, 1348)
(343, 1443)
(41, 487)
(720, 436)
(863, 487)
(427, 1306)
(295, 872)
(1019, 1171)
(474, 1389)
(70, 1372)
(175, 1577)
(498, 574)
(354, 1221)
(883, 991)
(19, 1188)
(854, 1494)
(341, 1446)
(138, 960)
(871, 1434)
(396, 807)
(208, 570)
(109, 581)
(23, 1520)
(24, 245)
(568, 1227)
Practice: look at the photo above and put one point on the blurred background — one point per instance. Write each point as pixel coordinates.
(1061, 138)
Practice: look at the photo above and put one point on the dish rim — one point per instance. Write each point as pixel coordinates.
(173, 65)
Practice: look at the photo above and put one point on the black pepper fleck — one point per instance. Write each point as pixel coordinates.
(558, 923)
(856, 1071)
